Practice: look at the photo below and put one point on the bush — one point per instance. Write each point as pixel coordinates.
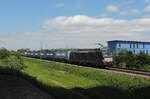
(4, 53)
(23, 50)
(15, 63)
(127, 59)
(115, 59)
(11, 59)
(122, 57)
(130, 59)
(143, 59)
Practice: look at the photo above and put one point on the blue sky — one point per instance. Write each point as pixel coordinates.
(29, 15)
(20, 16)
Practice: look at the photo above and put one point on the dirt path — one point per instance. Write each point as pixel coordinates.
(12, 87)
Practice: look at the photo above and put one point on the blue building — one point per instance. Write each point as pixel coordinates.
(135, 46)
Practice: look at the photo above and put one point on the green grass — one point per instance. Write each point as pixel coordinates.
(67, 82)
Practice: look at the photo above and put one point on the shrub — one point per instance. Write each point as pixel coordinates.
(15, 63)
(23, 50)
(115, 59)
(130, 59)
(122, 57)
(4, 53)
(127, 59)
(143, 59)
(11, 59)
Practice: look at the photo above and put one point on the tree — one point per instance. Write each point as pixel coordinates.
(143, 59)
(11, 59)
(4, 53)
(127, 59)
(115, 59)
(122, 58)
(23, 50)
(15, 63)
(130, 61)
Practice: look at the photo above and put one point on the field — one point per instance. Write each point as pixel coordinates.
(67, 82)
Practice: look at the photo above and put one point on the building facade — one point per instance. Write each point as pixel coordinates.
(134, 46)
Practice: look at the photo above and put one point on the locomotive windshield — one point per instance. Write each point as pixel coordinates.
(106, 53)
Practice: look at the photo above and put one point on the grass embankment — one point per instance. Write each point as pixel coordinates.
(67, 82)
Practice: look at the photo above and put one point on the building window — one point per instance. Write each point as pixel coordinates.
(134, 51)
(137, 45)
(146, 51)
(133, 45)
(141, 46)
(130, 45)
(144, 46)
(119, 45)
(123, 45)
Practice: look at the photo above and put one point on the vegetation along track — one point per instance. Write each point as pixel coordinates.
(115, 70)
(139, 72)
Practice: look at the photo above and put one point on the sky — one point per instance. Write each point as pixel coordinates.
(72, 23)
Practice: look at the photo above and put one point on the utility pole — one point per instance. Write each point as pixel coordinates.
(40, 50)
(66, 46)
(45, 46)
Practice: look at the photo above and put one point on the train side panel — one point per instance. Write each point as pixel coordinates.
(62, 55)
(93, 58)
(49, 55)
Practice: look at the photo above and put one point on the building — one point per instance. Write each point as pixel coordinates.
(135, 46)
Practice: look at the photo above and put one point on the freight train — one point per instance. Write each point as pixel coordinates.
(93, 58)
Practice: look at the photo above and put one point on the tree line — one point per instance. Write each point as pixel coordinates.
(126, 59)
(45, 50)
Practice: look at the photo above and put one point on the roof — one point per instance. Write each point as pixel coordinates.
(129, 41)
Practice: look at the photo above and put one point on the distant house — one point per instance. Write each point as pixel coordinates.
(135, 46)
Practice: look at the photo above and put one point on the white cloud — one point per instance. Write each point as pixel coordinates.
(130, 12)
(80, 32)
(147, 9)
(103, 15)
(146, 16)
(112, 8)
(147, 1)
(60, 4)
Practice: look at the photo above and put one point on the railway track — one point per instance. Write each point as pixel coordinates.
(115, 70)
(141, 72)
